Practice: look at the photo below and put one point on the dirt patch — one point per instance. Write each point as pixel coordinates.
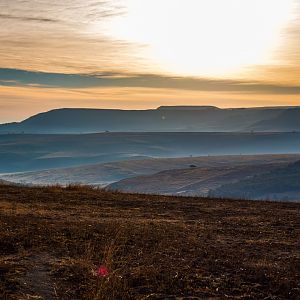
(37, 282)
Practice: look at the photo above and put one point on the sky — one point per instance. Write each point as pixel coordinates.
(140, 54)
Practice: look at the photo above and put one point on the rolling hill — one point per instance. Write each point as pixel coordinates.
(185, 176)
(163, 119)
(287, 120)
(31, 152)
(189, 182)
(281, 184)
(267, 177)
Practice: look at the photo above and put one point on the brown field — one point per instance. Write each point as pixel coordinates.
(155, 247)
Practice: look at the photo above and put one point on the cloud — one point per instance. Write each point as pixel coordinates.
(60, 36)
(15, 77)
(24, 18)
(71, 37)
(69, 11)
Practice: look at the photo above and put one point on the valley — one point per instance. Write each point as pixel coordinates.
(32, 152)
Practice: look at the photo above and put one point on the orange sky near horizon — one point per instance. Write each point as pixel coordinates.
(227, 42)
(28, 99)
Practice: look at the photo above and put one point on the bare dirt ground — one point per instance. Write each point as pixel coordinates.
(155, 247)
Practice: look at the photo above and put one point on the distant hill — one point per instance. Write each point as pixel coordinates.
(193, 181)
(287, 120)
(163, 119)
(143, 175)
(189, 108)
(282, 183)
(30, 152)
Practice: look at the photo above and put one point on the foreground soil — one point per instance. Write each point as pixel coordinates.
(53, 241)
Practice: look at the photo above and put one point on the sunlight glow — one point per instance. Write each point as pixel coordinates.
(203, 37)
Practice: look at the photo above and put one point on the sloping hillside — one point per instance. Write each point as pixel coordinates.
(287, 120)
(30, 152)
(80, 243)
(4, 182)
(189, 182)
(103, 174)
(170, 119)
(282, 183)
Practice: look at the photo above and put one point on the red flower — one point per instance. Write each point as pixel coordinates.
(102, 271)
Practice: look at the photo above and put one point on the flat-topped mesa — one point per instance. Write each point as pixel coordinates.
(163, 119)
(188, 107)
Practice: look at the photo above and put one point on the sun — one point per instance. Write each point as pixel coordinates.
(203, 37)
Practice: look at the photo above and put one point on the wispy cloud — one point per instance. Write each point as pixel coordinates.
(24, 18)
(71, 36)
(57, 36)
(122, 80)
(69, 11)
